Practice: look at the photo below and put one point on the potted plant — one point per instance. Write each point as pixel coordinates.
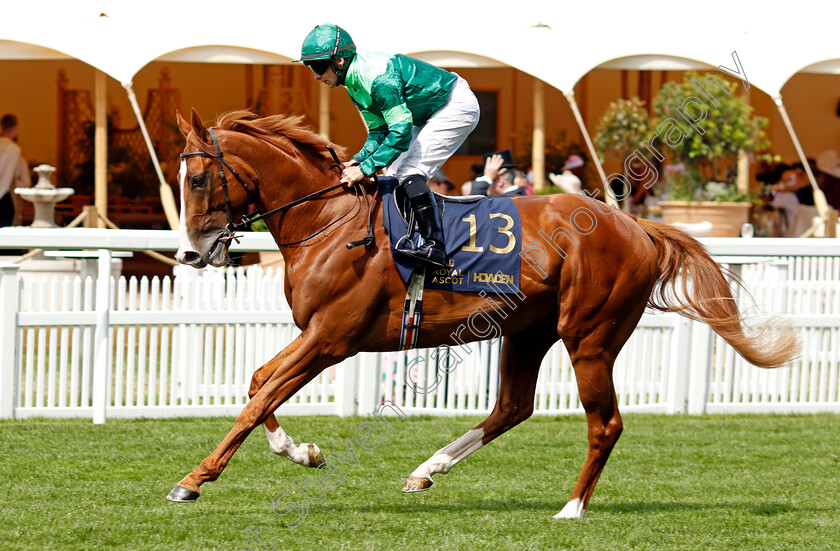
(692, 201)
(625, 125)
(707, 165)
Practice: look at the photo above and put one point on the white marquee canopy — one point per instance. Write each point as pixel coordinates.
(556, 42)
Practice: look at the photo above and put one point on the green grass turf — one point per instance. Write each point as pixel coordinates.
(673, 482)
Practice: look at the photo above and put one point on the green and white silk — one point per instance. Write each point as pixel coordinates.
(394, 94)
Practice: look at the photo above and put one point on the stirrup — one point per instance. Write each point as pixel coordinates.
(424, 254)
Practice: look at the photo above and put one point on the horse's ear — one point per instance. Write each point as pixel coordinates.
(183, 125)
(198, 126)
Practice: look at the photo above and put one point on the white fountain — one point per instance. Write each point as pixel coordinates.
(44, 195)
(49, 264)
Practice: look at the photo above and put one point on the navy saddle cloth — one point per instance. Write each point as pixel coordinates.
(483, 240)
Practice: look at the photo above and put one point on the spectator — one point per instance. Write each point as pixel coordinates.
(800, 184)
(476, 170)
(829, 177)
(507, 184)
(520, 179)
(495, 164)
(793, 193)
(504, 186)
(568, 180)
(14, 172)
(439, 183)
(784, 199)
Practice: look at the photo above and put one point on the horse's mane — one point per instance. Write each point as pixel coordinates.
(283, 131)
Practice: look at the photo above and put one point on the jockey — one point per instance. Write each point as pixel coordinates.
(417, 116)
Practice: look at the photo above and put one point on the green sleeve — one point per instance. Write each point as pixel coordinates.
(377, 130)
(385, 141)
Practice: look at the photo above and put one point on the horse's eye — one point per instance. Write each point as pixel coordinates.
(197, 181)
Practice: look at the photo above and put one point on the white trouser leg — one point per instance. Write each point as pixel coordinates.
(437, 140)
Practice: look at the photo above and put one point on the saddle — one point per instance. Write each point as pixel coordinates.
(482, 236)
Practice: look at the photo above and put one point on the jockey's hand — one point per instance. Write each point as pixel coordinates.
(348, 164)
(352, 175)
(492, 166)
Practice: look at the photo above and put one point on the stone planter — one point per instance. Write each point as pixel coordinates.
(726, 218)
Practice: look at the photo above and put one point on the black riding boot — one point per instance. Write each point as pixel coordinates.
(426, 213)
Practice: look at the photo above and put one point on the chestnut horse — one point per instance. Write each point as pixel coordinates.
(596, 272)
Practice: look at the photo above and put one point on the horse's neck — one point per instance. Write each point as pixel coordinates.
(304, 219)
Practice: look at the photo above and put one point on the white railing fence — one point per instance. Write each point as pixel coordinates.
(174, 346)
(187, 345)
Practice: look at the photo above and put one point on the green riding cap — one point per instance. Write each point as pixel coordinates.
(320, 43)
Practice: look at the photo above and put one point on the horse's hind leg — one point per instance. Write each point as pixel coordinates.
(595, 386)
(521, 356)
(592, 349)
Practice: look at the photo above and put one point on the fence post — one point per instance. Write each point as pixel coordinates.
(699, 367)
(9, 303)
(346, 379)
(680, 365)
(101, 355)
(368, 386)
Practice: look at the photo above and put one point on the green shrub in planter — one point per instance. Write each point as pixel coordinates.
(709, 157)
(623, 127)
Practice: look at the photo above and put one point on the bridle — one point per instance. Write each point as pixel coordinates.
(232, 227)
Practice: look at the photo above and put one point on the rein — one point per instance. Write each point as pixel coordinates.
(231, 227)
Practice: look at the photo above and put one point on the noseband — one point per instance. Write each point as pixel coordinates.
(231, 227)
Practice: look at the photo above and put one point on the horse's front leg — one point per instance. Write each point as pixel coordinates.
(290, 370)
(308, 455)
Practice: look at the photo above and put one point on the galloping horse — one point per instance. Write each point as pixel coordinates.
(588, 287)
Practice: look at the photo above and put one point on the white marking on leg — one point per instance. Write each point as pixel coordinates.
(282, 444)
(573, 509)
(447, 457)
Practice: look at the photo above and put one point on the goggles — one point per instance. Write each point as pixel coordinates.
(319, 66)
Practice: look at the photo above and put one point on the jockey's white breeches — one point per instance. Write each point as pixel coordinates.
(433, 143)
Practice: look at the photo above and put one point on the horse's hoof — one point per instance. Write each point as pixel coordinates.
(416, 484)
(179, 494)
(313, 453)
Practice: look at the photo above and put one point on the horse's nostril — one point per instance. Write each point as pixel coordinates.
(189, 257)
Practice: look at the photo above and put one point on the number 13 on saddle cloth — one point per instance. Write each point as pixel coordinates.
(483, 241)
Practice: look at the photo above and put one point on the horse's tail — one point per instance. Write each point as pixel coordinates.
(709, 298)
